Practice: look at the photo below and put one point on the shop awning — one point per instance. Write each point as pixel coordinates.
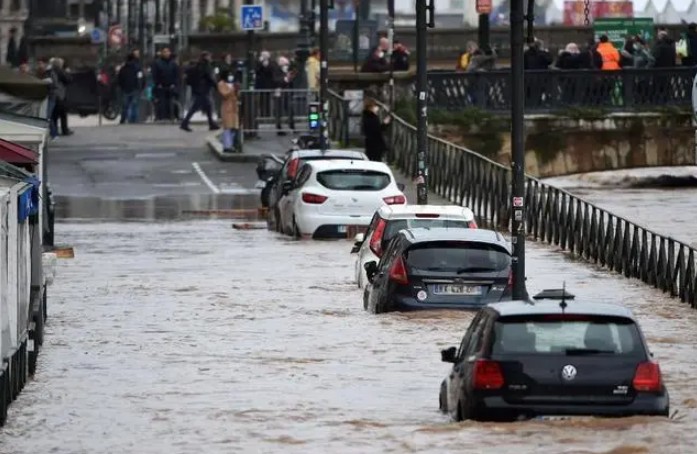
(17, 154)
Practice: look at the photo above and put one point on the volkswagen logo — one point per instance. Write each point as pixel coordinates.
(568, 372)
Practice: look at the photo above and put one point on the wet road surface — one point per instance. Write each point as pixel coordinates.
(190, 336)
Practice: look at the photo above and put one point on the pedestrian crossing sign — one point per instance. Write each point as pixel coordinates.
(252, 17)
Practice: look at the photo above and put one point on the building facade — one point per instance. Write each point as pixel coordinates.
(13, 13)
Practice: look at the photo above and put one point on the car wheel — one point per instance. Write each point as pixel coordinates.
(296, 231)
(464, 411)
(442, 401)
(365, 299)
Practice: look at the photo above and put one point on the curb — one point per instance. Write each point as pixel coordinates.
(216, 148)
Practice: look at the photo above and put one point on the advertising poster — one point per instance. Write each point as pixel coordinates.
(574, 13)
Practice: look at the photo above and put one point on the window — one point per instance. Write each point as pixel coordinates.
(567, 334)
(394, 226)
(458, 257)
(303, 175)
(354, 180)
(388, 257)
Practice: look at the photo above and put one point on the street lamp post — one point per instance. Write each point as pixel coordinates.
(390, 38)
(517, 19)
(421, 103)
(324, 73)
(302, 52)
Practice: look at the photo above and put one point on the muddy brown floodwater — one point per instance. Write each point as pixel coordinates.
(190, 336)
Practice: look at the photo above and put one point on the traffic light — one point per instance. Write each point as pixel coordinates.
(313, 115)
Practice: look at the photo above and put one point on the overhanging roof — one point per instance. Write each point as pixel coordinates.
(16, 154)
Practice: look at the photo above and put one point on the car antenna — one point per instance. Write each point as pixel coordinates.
(562, 303)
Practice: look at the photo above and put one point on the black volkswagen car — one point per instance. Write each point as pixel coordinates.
(439, 268)
(521, 359)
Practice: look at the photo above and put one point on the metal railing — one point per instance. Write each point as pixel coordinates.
(554, 216)
(554, 90)
(285, 110)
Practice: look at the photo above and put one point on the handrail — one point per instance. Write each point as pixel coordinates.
(554, 215)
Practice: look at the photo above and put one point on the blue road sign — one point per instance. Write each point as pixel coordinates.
(252, 17)
(97, 35)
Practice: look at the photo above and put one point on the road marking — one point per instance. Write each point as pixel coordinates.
(205, 178)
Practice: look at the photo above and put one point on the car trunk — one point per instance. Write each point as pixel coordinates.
(353, 192)
(457, 272)
(562, 359)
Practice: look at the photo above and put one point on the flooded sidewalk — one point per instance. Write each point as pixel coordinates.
(191, 336)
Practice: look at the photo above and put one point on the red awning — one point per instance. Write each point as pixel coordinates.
(17, 154)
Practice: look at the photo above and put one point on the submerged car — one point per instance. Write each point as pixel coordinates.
(281, 184)
(331, 196)
(439, 268)
(522, 359)
(390, 219)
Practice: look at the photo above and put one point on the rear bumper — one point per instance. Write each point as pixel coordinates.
(496, 408)
(331, 226)
(407, 303)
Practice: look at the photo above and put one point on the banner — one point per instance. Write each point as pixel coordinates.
(574, 13)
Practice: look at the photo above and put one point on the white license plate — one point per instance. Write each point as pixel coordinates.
(456, 289)
(342, 229)
(260, 184)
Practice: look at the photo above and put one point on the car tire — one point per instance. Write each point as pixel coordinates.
(277, 221)
(365, 299)
(464, 411)
(295, 233)
(442, 402)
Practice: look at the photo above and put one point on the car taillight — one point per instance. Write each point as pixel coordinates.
(473, 225)
(376, 238)
(398, 272)
(647, 377)
(293, 168)
(313, 198)
(487, 375)
(395, 200)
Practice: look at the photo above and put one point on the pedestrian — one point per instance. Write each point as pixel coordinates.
(129, 83)
(376, 61)
(312, 69)
(46, 74)
(664, 50)
(373, 130)
(60, 110)
(228, 90)
(283, 97)
(200, 79)
(400, 57)
(165, 74)
(609, 54)
(12, 56)
(690, 59)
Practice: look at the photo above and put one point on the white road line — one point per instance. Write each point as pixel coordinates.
(205, 178)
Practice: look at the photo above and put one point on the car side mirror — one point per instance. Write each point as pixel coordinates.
(371, 269)
(401, 186)
(287, 186)
(448, 355)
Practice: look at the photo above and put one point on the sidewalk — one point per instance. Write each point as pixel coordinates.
(267, 142)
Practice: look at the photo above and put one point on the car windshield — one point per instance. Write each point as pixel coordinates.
(567, 334)
(458, 257)
(354, 180)
(394, 226)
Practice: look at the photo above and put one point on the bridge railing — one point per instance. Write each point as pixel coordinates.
(553, 90)
(553, 216)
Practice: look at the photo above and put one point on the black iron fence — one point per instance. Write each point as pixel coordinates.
(554, 90)
(553, 216)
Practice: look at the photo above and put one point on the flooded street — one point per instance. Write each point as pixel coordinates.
(191, 336)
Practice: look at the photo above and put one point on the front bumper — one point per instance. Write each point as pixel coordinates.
(496, 408)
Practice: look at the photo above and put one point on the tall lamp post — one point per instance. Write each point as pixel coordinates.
(324, 73)
(517, 19)
(422, 26)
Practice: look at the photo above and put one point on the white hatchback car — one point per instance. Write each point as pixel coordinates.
(389, 220)
(329, 197)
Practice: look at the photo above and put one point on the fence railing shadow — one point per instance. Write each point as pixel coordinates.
(553, 216)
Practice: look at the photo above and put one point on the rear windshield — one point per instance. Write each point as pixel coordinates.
(326, 157)
(354, 180)
(458, 257)
(393, 227)
(567, 334)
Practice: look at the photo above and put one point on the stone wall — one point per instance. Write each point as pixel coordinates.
(558, 146)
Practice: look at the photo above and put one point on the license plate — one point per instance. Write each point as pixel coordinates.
(261, 184)
(342, 229)
(455, 289)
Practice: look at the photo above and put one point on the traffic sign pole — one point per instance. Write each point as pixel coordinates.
(324, 73)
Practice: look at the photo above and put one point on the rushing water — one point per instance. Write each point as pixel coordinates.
(191, 336)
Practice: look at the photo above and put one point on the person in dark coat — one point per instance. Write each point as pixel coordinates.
(165, 74)
(373, 131)
(664, 51)
(400, 57)
(12, 56)
(62, 80)
(129, 83)
(691, 37)
(200, 79)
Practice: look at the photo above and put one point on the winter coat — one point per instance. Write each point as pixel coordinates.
(129, 82)
(228, 107)
(200, 79)
(373, 128)
(664, 53)
(165, 73)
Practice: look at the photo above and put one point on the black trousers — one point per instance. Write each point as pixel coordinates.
(202, 103)
(60, 114)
